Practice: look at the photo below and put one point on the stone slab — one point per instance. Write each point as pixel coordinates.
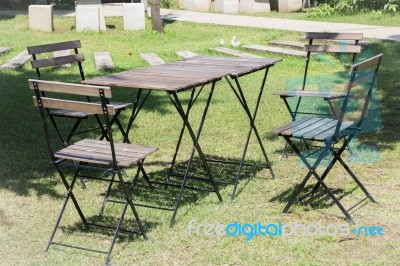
(275, 50)
(226, 6)
(41, 17)
(287, 44)
(134, 17)
(90, 17)
(186, 54)
(235, 52)
(152, 59)
(198, 5)
(17, 61)
(62, 53)
(4, 50)
(103, 61)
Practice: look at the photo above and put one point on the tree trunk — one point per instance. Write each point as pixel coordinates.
(156, 16)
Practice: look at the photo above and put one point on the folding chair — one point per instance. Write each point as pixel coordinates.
(330, 131)
(89, 153)
(349, 44)
(55, 60)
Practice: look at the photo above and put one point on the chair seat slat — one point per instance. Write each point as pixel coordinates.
(97, 151)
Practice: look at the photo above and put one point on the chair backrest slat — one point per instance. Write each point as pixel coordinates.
(45, 48)
(57, 61)
(369, 63)
(69, 88)
(348, 48)
(334, 36)
(92, 108)
(359, 78)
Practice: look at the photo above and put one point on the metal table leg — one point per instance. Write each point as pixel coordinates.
(196, 147)
(242, 99)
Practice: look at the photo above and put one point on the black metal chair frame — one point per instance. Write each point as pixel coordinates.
(336, 130)
(112, 167)
(37, 64)
(311, 48)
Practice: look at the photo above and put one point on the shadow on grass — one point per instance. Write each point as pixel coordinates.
(166, 194)
(319, 200)
(24, 155)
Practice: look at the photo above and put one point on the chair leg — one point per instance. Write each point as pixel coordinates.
(107, 196)
(337, 202)
(345, 166)
(129, 201)
(312, 171)
(67, 197)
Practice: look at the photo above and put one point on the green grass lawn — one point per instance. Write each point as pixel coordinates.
(30, 202)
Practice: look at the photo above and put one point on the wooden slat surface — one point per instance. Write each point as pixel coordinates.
(311, 128)
(369, 63)
(91, 108)
(57, 61)
(69, 113)
(45, 48)
(99, 152)
(353, 49)
(69, 88)
(334, 36)
(329, 95)
(183, 74)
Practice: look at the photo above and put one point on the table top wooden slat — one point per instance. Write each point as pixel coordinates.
(183, 74)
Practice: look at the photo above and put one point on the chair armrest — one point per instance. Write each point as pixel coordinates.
(320, 94)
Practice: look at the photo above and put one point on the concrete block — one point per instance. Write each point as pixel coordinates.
(253, 6)
(198, 5)
(227, 6)
(262, 6)
(145, 2)
(90, 17)
(286, 5)
(134, 16)
(41, 17)
(88, 2)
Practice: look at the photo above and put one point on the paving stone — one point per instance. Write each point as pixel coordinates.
(275, 50)
(186, 54)
(287, 44)
(103, 61)
(4, 50)
(17, 61)
(152, 59)
(235, 52)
